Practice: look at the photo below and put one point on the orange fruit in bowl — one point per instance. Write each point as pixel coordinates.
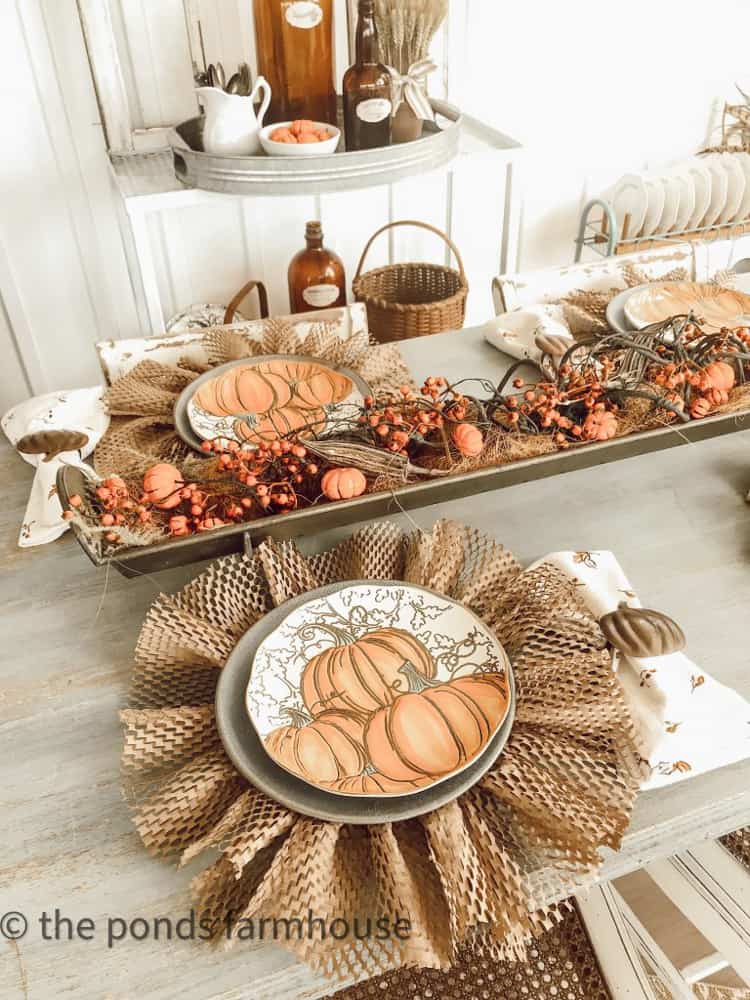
(302, 125)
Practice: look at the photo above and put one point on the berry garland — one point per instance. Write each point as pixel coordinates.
(684, 371)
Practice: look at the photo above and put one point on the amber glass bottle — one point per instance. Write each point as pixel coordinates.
(367, 88)
(294, 39)
(316, 275)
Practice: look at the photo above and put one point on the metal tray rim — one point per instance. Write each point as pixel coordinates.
(237, 538)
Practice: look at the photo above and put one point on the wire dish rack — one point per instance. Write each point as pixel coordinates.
(600, 231)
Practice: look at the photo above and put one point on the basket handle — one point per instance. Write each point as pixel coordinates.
(419, 225)
(245, 290)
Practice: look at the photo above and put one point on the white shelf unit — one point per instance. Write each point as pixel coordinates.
(188, 245)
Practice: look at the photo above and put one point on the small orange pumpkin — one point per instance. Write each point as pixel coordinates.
(324, 750)
(343, 484)
(364, 674)
(601, 425)
(436, 729)
(162, 484)
(720, 375)
(700, 407)
(469, 440)
(376, 784)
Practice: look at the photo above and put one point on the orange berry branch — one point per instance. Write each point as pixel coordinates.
(683, 370)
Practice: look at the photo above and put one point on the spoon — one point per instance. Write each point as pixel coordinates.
(246, 82)
(221, 75)
(233, 87)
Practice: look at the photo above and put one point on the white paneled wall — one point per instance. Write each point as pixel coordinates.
(590, 89)
(593, 90)
(63, 275)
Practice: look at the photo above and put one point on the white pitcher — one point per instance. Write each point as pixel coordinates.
(231, 127)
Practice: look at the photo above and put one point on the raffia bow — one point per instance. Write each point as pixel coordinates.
(410, 87)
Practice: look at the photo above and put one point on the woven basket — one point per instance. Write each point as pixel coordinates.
(412, 300)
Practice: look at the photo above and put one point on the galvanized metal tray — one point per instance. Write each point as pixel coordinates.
(307, 523)
(341, 171)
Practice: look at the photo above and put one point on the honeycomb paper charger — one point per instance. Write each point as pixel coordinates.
(480, 870)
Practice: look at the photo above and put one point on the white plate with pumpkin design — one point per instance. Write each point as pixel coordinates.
(715, 305)
(378, 689)
(258, 399)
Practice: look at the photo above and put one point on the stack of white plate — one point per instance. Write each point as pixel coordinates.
(708, 190)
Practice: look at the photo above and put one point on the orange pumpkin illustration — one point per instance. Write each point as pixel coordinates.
(279, 423)
(327, 749)
(361, 675)
(375, 784)
(436, 728)
(272, 385)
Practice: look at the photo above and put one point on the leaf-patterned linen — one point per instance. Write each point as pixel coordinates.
(74, 410)
(689, 723)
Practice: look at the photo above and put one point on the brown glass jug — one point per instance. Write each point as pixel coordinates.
(316, 275)
(368, 105)
(294, 40)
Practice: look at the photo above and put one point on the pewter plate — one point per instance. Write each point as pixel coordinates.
(181, 413)
(246, 751)
(616, 316)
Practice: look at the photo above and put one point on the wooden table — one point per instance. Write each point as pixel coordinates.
(676, 519)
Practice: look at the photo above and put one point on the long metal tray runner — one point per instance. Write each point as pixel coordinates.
(462, 354)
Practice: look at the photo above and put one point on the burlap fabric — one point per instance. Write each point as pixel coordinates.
(484, 865)
(141, 403)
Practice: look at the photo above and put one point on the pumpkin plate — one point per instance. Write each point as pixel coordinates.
(378, 689)
(656, 302)
(244, 747)
(257, 399)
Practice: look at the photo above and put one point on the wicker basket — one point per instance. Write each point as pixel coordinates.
(412, 300)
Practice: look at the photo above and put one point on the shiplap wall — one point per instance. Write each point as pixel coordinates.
(63, 275)
(591, 90)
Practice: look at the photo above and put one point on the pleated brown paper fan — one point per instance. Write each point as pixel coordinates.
(481, 869)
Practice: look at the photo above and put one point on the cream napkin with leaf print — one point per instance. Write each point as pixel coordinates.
(688, 722)
(79, 410)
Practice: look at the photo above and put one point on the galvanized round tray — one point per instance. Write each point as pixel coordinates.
(245, 749)
(340, 171)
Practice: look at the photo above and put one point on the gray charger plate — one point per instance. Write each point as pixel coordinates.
(181, 419)
(246, 751)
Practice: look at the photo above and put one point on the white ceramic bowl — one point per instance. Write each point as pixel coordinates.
(295, 149)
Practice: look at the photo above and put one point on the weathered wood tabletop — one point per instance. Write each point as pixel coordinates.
(676, 519)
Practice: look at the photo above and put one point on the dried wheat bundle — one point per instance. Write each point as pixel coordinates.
(406, 29)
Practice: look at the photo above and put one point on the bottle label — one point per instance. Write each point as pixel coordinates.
(304, 14)
(375, 110)
(320, 296)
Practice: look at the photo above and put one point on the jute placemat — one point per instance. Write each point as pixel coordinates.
(562, 789)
